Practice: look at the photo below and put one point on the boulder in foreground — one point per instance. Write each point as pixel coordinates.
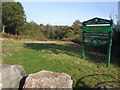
(11, 75)
(48, 79)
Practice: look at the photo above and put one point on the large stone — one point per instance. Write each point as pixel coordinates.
(11, 75)
(48, 79)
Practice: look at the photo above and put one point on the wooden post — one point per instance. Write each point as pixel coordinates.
(83, 43)
(109, 49)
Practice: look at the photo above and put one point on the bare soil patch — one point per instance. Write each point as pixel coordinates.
(11, 49)
(70, 44)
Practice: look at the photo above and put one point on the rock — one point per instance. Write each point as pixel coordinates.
(48, 79)
(11, 75)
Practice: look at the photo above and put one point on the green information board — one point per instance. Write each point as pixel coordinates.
(97, 32)
(97, 28)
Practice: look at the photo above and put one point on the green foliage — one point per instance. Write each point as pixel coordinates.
(65, 33)
(77, 39)
(74, 33)
(54, 32)
(32, 30)
(13, 16)
(49, 31)
(61, 32)
(76, 27)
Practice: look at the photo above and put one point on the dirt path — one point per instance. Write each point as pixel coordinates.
(69, 44)
(38, 41)
(54, 42)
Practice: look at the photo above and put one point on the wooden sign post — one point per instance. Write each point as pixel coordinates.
(97, 32)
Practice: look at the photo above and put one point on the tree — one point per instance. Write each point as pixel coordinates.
(48, 31)
(61, 31)
(13, 16)
(31, 30)
(75, 32)
(76, 27)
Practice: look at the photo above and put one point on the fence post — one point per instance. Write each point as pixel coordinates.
(83, 43)
(109, 49)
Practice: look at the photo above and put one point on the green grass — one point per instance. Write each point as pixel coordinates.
(86, 73)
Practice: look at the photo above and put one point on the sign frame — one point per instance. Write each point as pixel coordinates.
(89, 26)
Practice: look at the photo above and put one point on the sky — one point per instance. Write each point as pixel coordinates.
(119, 11)
(65, 13)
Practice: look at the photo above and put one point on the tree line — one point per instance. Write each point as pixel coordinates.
(14, 22)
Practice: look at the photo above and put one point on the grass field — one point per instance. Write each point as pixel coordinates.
(87, 73)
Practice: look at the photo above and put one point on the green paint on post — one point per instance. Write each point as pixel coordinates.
(83, 43)
(109, 50)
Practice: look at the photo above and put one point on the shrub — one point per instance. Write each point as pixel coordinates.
(23, 37)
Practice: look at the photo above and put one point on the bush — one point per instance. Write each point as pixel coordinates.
(32, 30)
(77, 40)
(23, 37)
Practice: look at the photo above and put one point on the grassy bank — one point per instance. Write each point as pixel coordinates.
(87, 73)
